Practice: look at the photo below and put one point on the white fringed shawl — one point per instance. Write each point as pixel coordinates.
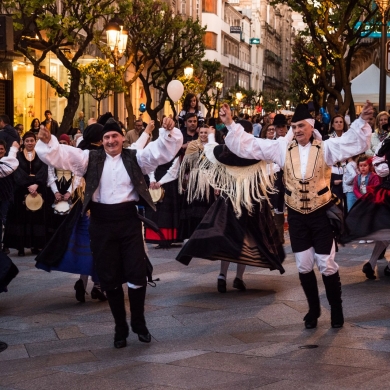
(242, 185)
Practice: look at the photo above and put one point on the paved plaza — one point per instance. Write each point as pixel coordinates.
(201, 339)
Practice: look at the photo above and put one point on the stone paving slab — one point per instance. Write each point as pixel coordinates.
(201, 339)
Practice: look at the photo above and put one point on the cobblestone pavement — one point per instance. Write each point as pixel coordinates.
(201, 339)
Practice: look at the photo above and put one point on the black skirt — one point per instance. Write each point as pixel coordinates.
(369, 217)
(252, 239)
(166, 216)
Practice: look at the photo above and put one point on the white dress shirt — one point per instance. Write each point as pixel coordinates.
(9, 163)
(171, 175)
(115, 185)
(356, 140)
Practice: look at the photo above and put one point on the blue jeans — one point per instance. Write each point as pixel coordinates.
(351, 199)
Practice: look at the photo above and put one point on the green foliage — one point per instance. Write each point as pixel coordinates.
(305, 83)
(99, 80)
(44, 26)
(162, 43)
(331, 25)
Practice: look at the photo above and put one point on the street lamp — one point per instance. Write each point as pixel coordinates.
(117, 42)
(238, 97)
(383, 6)
(188, 71)
(287, 104)
(219, 86)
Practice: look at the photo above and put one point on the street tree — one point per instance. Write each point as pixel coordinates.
(338, 37)
(305, 83)
(162, 44)
(65, 28)
(99, 80)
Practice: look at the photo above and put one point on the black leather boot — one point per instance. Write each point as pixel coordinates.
(309, 285)
(116, 300)
(333, 293)
(137, 318)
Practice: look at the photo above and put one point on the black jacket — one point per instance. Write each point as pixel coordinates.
(54, 127)
(95, 169)
(9, 135)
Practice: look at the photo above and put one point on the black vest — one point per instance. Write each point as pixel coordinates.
(95, 169)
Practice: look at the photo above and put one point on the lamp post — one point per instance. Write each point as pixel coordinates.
(218, 86)
(238, 98)
(189, 71)
(383, 6)
(117, 42)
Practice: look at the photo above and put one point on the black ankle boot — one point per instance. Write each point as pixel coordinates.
(116, 300)
(97, 293)
(309, 285)
(80, 291)
(137, 308)
(333, 293)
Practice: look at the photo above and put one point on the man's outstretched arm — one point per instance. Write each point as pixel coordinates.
(61, 156)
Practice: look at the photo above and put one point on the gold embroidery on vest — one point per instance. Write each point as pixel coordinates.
(312, 192)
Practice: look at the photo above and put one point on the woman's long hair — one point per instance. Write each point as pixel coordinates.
(187, 102)
(32, 123)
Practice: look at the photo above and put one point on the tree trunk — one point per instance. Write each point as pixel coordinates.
(73, 104)
(130, 109)
(149, 101)
(98, 105)
(352, 110)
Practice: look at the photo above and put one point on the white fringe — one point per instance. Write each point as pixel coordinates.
(243, 185)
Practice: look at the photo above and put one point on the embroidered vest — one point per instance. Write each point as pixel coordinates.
(312, 192)
(95, 169)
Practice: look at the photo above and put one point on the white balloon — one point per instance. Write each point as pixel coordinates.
(175, 90)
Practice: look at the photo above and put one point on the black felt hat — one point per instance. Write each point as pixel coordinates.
(223, 154)
(301, 113)
(104, 118)
(280, 120)
(112, 125)
(92, 135)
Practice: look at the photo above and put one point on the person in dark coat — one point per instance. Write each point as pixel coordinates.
(7, 132)
(26, 228)
(51, 124)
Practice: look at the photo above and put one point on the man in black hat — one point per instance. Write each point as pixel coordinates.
(114, 182)
(280, 124)
(307, 163)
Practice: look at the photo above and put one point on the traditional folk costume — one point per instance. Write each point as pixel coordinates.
(369, 218)
(26, 228)
(239, 226)
(192, 208)
(307, 172)
(60, 181)
(113, 187)
(69, 249)
(166, 216)
(8, 164)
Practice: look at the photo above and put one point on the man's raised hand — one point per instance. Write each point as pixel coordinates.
(226, 114)
(168, 123)
(368, 111)
(149, 128)
(44, 134)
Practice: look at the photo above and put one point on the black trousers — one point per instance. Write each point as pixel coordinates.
(310, 230)
(117, 245)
